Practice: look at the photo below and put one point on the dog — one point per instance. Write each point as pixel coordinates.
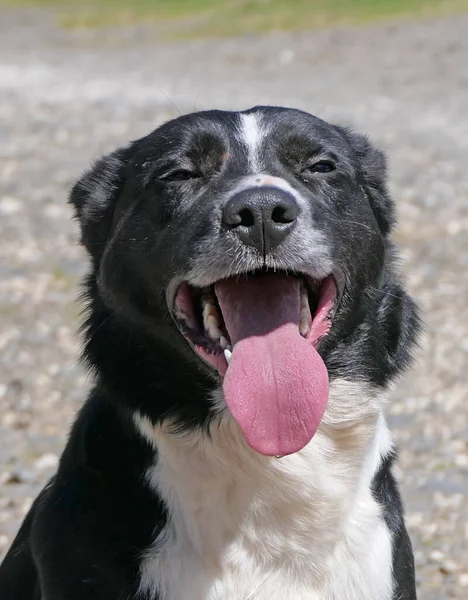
(245, 323)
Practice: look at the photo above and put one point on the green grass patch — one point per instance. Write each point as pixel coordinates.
(208, 18)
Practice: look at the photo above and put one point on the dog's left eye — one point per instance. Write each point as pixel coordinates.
(181, 175)
(322, 166)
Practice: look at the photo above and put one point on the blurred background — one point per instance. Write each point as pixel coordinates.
(80, 78)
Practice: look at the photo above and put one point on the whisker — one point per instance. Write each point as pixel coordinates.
(356, 223)
(170, 100)
(114, 312)
(377, 291)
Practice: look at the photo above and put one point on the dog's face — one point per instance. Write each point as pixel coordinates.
(255, 243)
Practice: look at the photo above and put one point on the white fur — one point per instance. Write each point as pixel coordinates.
(264, 180)
(252, 132)
(247, 527)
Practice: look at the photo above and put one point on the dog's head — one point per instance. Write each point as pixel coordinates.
(255, 244)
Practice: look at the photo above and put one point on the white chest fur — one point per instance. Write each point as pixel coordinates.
(248, 527)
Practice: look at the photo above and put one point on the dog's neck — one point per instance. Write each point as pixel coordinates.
(225, 500)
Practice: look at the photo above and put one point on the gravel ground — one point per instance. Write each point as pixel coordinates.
(67, 97)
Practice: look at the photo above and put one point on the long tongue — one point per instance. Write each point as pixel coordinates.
(276, 385)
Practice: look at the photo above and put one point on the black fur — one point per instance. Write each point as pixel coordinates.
(386, 491)
(86, 532)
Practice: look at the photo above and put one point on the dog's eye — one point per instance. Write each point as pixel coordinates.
(322, 166)
(180, 175)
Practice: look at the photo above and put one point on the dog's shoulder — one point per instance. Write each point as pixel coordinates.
(90, 524)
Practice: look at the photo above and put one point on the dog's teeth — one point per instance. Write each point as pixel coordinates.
(279, 456)
(211, 319)
(304, 317)
(223, 343)
(214, 332)
(206, 314)
(228, 354)
(209, 309)
(212, 322)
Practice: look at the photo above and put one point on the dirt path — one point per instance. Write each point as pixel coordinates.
(65, 98)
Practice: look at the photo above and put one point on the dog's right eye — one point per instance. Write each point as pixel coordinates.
(180, 175)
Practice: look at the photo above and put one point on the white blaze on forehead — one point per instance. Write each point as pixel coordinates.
(252, 133)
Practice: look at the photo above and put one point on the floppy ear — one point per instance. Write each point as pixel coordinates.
(94, 197)
(373, 172)
(399, 325)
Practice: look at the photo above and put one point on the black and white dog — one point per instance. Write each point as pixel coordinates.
(245, 323)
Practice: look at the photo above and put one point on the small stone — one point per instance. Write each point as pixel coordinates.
(6, 503)
(448, 567)
(14, 477)
(16, 420)
(46, 461)
(414, 520)
(26, 505)
(10, 206)
(8, 478)
(461, 460)
(53, 211)
(3, 541)
(436, 555)
(454, 227)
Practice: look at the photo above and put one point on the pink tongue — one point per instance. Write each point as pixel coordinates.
(276, 385)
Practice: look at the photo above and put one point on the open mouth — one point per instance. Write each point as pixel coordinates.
(199, 316)
(260, 331)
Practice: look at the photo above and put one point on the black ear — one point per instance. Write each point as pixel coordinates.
(373, 172)
(399, 326)
(94, 197)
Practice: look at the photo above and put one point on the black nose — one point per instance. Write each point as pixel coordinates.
(261, 217)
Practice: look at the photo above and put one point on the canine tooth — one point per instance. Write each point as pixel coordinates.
(209, 309)
(223, 343)
(212, 319)
(228, 354)
(214, 332)
(303, 324)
